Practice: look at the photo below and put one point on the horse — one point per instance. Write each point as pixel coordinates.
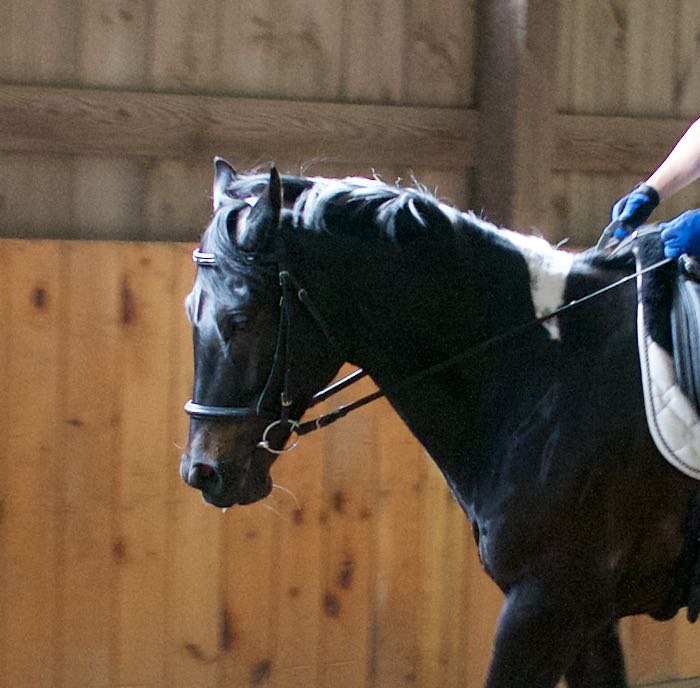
(536, 421)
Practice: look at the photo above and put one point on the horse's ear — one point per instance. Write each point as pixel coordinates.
(254, 231)
(224, 174)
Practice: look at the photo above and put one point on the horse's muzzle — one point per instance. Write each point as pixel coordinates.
(224, 484)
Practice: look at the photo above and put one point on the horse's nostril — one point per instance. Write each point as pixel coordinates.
(204, 470)
(203, 476)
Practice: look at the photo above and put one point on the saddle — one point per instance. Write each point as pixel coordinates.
(668, 336)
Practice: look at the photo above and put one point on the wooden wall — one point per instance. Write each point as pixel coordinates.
(71, 167)
(625, 67)
(359, 570)
(112, 573)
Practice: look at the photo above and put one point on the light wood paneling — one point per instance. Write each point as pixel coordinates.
(113, 573)
(359, 570)
(636, 60)
(33, 514)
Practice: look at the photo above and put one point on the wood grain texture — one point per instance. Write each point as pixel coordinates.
(517, 76)
(85, 122)
(31, 497)
(364, 573)
(113, 572)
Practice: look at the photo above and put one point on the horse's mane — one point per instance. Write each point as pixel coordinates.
(372, 208)
(359, 205)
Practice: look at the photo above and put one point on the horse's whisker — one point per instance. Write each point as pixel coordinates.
(271, 508)
(289, 492)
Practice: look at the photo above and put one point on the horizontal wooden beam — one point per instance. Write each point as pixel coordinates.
(126, 124)
(594, 143)
(107, 123)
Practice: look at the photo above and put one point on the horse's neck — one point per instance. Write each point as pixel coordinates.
(401, 310)
(498, 413)
(431, 304)
(452, 305)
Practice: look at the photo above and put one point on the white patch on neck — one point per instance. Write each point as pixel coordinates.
(549, 269)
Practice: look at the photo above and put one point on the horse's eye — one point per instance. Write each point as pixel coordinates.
(231, 323)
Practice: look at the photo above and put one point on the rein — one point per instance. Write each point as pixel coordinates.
(342, 411)
(290, 285)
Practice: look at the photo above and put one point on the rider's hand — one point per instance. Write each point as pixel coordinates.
(634, 209)
(682, 234)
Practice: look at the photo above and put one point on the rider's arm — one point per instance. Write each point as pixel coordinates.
(681, 167)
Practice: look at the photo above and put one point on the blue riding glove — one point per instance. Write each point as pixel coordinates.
(634, 209)
(682, 234)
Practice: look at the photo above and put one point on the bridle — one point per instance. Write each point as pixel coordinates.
(292, 290)
(281, 366)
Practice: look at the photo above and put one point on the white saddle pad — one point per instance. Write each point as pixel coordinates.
(673, 422)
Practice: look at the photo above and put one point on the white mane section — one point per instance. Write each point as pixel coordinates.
(324, 189)
(549, 270)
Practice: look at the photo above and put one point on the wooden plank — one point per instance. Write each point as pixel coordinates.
(108, 200)
(687, 78)
(451, 625)
(247, 50)
(439, 53)
(693, 682)
(38, 41)
(177, 202)
(649, 648)
(298, 497)
(451, 186)
(31, 203)
(432, 594)
(89, 449)
(185, 46)
(196, 617)
(348, 518)
(42, 120)
(147, 327)
(517, 75)
(482, 604)
(305, 39)
(33, 473)
(589, 143)
(686, 655)
(186, 126)
(651, 87)
(593, 57)
(374, 51)
(398, 571)
(114, 52)
(114, 44)
(250, 593)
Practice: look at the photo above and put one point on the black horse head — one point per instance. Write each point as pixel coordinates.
(252, 340)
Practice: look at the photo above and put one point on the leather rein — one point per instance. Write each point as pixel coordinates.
(291, 291)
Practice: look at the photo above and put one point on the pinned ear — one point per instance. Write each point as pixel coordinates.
(254, 230)
(224, 174)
